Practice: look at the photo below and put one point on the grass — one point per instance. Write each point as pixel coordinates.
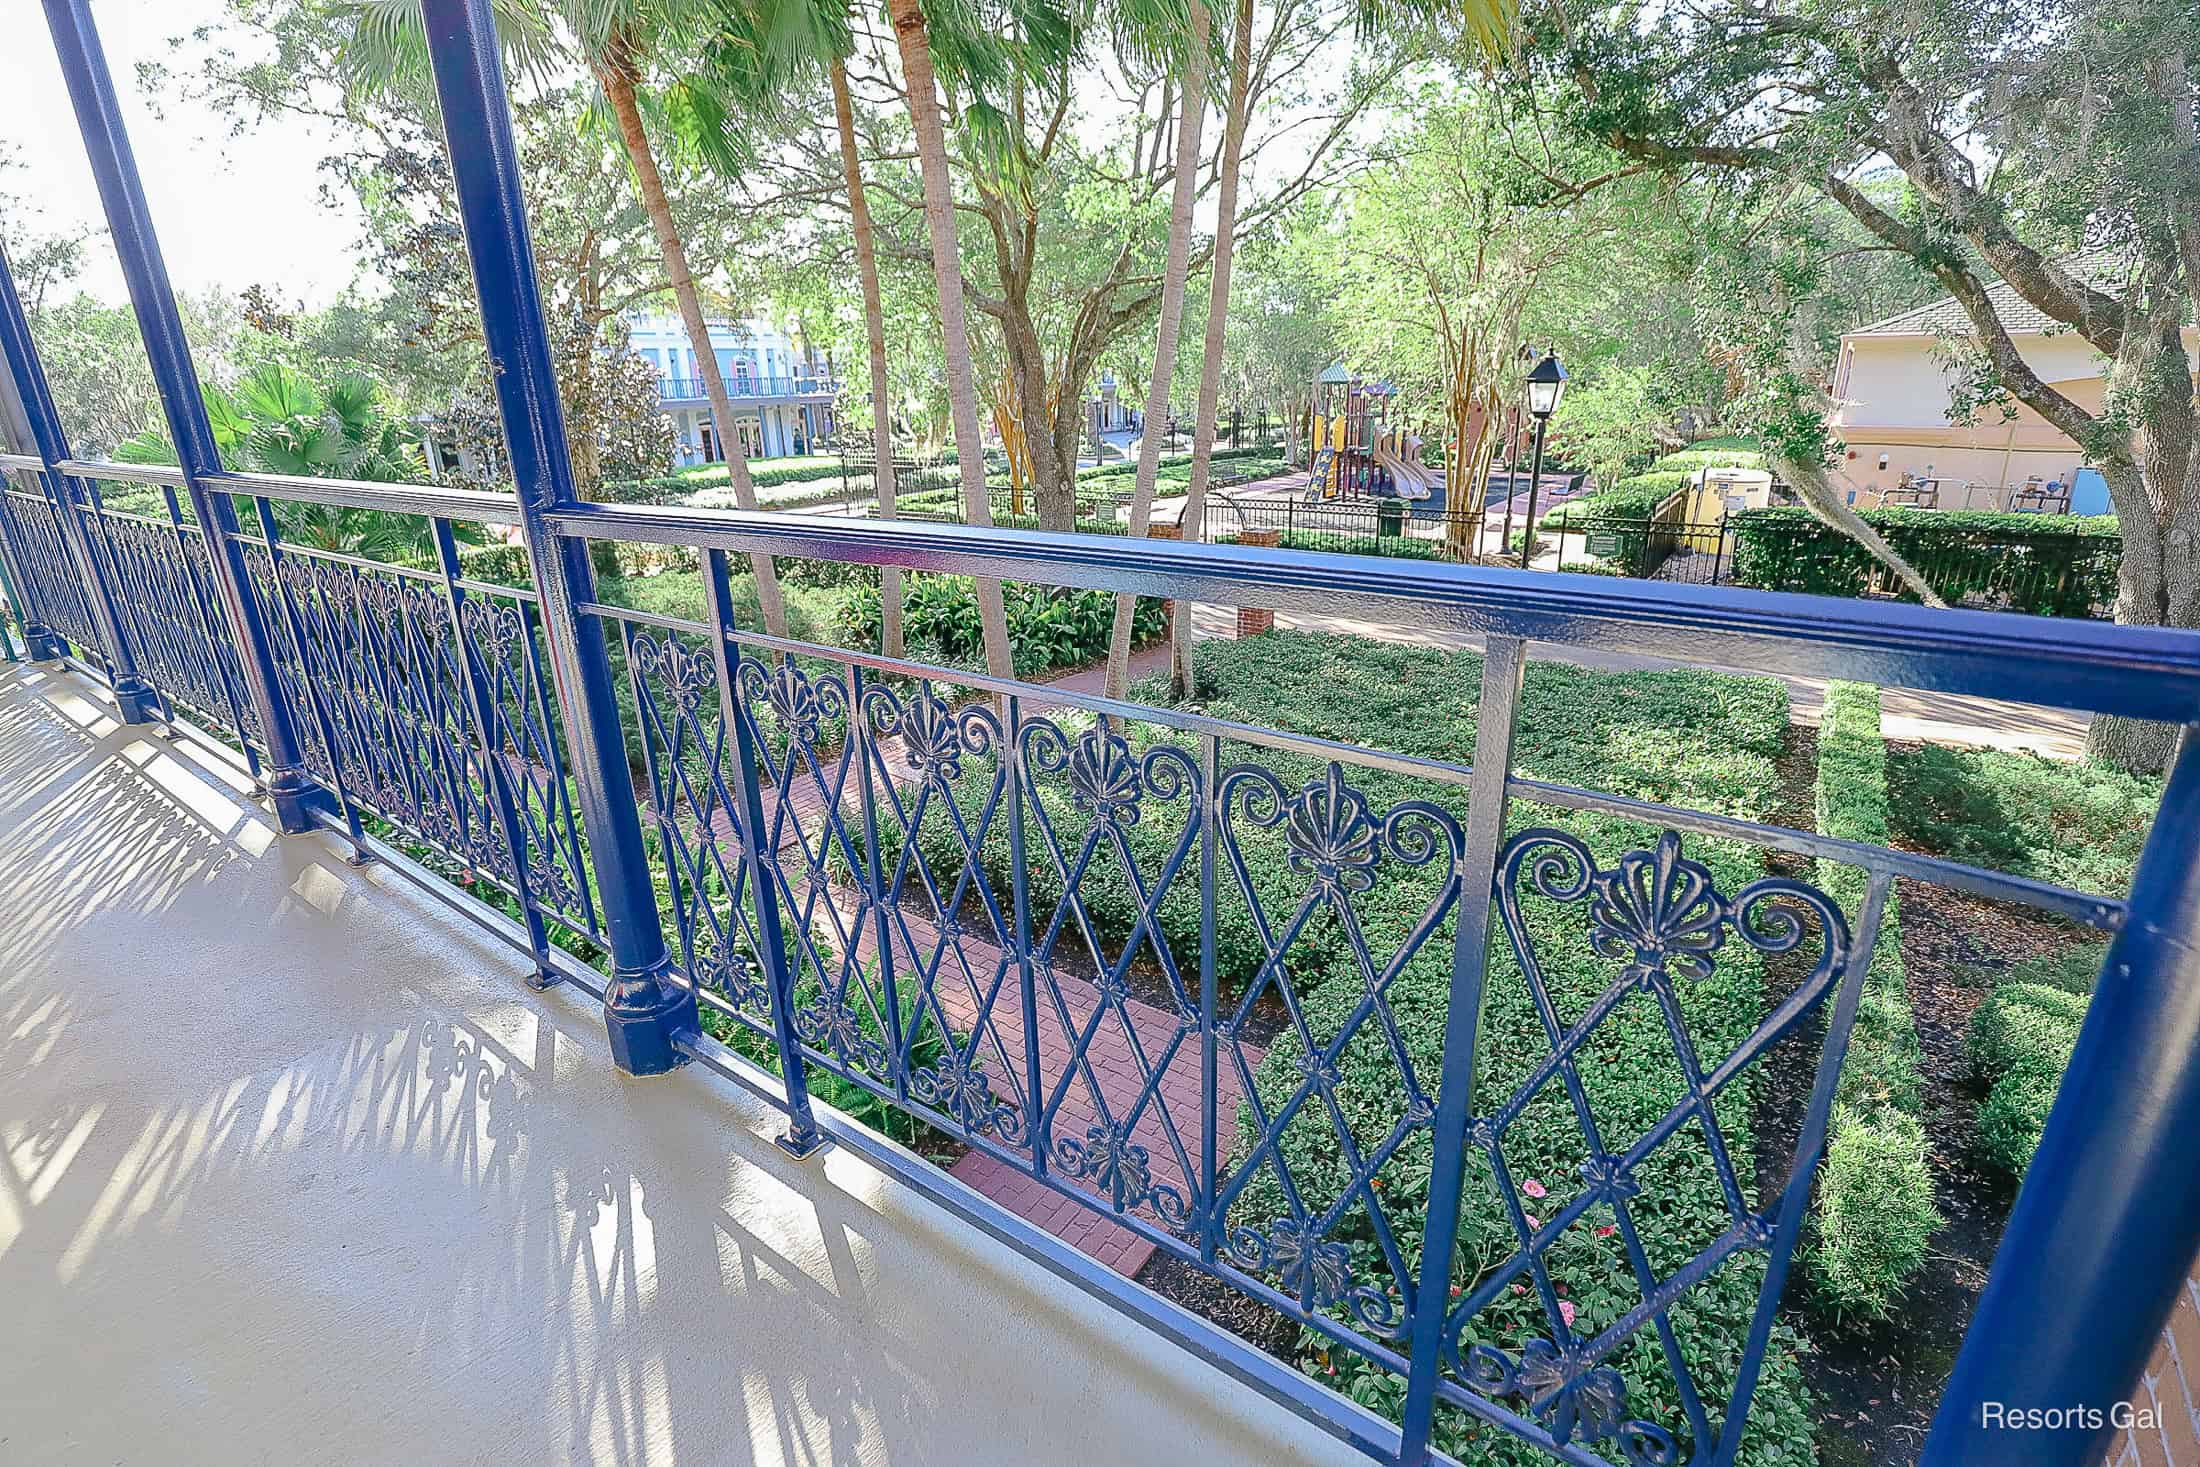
(2074, 824)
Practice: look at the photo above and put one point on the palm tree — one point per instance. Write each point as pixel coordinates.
(874, 323)
(763, 51)
(277, 422)
(919, 80)
(616, 40)
(1177, 266)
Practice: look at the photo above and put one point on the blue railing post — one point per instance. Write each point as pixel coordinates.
(1504, 666)
(647, 1010)
(2108, 1221)
(290, 789)
(134, 696)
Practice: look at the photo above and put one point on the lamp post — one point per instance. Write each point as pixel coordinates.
(1546, 385)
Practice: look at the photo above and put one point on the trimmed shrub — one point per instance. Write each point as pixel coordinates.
(2078, 825)
(2014, 1117)
(2048, 566)
(1861, 1241)
(2020, 1044)
(1048, 627)
(501, 565)
(2023, 1025)
(1870, 1225)
(1632, 498)
(2073, 970)
(1397, 547)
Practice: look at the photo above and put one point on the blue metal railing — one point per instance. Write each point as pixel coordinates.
(742, 387)
(1043, 921)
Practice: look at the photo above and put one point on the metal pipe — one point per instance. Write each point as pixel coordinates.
(2143, 672)
(646, 1010)
(1535, 482)
(134, 696)
(2105, 1229)
(137, 248)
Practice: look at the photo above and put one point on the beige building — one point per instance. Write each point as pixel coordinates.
(1893, 387)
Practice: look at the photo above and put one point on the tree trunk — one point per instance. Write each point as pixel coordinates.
(1182, 191)
(962, 384)
(874, 323)
(1194, 520)
(616, 75)
(2157, 502)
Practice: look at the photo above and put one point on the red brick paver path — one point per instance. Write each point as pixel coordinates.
(1130, 1042)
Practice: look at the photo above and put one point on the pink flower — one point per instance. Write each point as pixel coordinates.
(1520, 1288)
(1566, 1312)
(1607, 1230)
(1532, 1187)
(1534, 1222)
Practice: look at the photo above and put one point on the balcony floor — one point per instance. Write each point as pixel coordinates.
(293, 1169)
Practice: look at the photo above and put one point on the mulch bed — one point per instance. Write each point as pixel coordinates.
(1875, 1387)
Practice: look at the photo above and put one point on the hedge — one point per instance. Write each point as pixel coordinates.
(1631, 498)
(2020, 1044)
(1048, 628)
(2050, 566)
(2074, 824)
(1874, 1212)
(1702, 739)
(1397, 547)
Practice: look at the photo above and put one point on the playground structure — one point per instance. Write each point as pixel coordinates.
(1357, 454)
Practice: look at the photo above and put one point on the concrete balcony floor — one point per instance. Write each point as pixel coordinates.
(293, 1169)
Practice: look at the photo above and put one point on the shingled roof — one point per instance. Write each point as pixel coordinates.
(2105, 268)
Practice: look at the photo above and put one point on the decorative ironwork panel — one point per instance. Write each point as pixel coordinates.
(156, 596)
(691, 809)
(1110, 834)
(504, 636)
(50, 573)
(855, 1009)
(289, 662)
(1345, 894)
(1657, 924)
(199, 574)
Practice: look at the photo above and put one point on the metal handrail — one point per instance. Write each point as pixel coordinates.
(2142, 672)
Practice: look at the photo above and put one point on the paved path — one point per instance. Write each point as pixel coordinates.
(1096, 1063)
(1906, 713)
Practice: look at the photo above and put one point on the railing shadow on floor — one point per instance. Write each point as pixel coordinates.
(422, 1197)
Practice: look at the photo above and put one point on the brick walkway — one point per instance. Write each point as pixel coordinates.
(1090, 1060)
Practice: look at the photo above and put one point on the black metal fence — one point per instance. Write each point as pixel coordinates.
(1349, 526)
(1654, 548)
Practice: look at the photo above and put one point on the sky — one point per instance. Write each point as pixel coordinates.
(230, 212)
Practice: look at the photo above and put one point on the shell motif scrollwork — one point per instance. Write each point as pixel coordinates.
(687, 674)
(1332, 836)
(962, 1088)
(800, 703)
(1573, 1395)
(1658, 912)
(739, 977)
(1122, 1169)
(1310, 1265)
(494, 627)
(1108, 779)
(836, 1026)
